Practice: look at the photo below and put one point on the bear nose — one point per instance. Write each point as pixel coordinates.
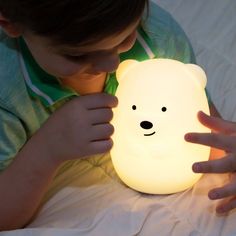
(146, 125)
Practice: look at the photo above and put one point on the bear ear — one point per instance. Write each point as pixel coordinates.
(199, 73)
(124, 67)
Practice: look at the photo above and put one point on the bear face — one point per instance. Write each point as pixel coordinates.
(158, 104)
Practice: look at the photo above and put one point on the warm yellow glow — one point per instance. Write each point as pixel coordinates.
(158, 104)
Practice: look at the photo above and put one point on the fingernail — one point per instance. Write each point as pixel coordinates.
(186, 137)
(190, 137)
(213, 195)
(197, 168)
(202, 113)
(221, 210)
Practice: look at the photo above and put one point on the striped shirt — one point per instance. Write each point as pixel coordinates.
(29, 95)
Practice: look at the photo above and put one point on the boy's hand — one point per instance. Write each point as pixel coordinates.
(223, 138)
(80, 127)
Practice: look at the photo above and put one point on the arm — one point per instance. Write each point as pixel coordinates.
(79, 128)
(167, 36)
(24, 182)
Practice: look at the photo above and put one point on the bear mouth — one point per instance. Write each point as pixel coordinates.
(150, 134)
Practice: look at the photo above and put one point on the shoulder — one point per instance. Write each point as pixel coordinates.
(9, 63)
(12, 85)
(20, 115)
(167, 35)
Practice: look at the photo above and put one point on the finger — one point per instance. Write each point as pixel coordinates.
(100, 146)
(217, 124)
(226, 206)
(223, 165)
(232, 176)
(220, 141)
(228, 190)
(101, 132)
(99, 100)
(100, 116)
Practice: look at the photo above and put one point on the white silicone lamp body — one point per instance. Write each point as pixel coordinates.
(158, 104)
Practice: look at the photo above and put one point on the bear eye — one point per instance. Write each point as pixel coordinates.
(164, 109)
(134, 107)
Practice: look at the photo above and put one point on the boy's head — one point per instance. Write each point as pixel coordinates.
(70, 37)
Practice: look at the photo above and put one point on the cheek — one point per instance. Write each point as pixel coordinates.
(56, 65)
(60, 67)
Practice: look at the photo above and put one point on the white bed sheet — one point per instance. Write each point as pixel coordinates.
(90, 199)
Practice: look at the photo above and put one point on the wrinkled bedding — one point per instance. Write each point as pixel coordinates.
(87, 198)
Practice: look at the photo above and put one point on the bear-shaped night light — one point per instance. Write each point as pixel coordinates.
(158, 104)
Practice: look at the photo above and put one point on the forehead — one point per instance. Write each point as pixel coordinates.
(107, 43)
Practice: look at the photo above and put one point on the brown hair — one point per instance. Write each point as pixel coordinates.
(73, 22)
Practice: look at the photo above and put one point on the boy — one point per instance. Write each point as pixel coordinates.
(50, 53)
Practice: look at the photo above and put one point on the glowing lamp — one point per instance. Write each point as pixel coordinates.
(158, 104)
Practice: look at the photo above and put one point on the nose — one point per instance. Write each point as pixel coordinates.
(128, 43)
(146, 125)
(108, 63)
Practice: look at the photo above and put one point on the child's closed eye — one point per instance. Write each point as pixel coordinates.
(78, 58)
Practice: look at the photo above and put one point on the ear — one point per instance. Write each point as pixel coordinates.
(11, 29)
(199, 74)
(123, 68)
